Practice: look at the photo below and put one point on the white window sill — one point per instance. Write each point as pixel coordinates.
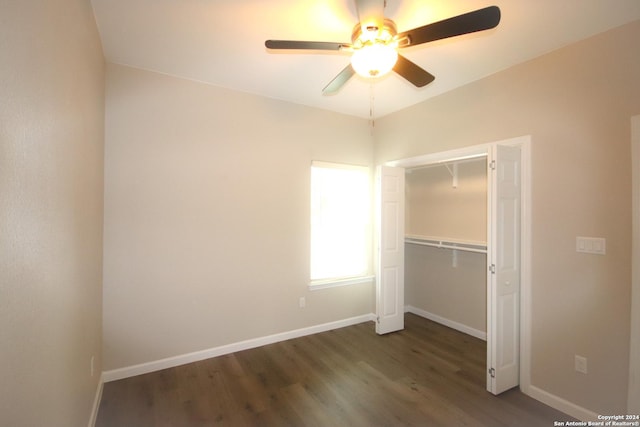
(334, 283)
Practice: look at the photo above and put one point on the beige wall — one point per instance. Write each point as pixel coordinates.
(433, 282)
(207, 216)
(576, 103)
(457, 293)
(51, 164)
(435, 208)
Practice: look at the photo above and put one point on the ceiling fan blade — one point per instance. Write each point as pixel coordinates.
(413, 73)
(304, 45)
(370, 14)
(338, 81)
(481, 19)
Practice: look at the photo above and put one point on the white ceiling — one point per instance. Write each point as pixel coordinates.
(221, 42)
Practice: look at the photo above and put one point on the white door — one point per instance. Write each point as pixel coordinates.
(503, 299)
(390, 242)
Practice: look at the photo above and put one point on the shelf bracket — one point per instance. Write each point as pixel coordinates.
(454, 174)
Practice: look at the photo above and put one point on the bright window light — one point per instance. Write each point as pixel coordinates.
(340, 221)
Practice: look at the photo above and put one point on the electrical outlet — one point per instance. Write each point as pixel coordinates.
(302, 302)
(581, 364)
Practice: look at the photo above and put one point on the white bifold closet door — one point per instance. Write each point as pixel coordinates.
(390, 199)
(503, 277)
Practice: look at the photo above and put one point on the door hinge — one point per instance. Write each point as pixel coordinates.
(492, 268)
(492, 372)
(492, 165)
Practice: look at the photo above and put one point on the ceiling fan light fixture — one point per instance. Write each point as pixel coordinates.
(374, 43)
(374, 49)
(374, 60)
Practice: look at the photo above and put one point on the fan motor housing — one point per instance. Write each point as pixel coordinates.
(373, 34)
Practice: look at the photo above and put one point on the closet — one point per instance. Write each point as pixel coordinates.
(445, 243)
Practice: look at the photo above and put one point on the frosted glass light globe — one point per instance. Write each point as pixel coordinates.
(374, 60)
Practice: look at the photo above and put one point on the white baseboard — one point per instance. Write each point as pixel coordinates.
(96, 402)
(560, 404)
(170, 362)
(446, 322)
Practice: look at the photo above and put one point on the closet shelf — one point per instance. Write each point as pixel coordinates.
(445, 243)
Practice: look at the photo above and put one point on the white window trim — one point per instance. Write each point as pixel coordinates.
(335, 283)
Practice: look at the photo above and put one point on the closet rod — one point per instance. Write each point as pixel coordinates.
(441, 244)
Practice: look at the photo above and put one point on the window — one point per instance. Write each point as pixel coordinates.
(340, 224)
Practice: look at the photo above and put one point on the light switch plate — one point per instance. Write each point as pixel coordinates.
(591, 245)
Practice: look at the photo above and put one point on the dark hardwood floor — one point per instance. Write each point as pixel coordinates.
(425, 375)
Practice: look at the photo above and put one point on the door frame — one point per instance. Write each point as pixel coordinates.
(633, 395)
(480, 150)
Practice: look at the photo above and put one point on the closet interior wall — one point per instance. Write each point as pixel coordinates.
(448, 204)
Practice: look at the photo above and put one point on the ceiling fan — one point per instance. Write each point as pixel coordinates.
(375, 43)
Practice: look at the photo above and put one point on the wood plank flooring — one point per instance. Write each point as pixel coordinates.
(425, 375)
